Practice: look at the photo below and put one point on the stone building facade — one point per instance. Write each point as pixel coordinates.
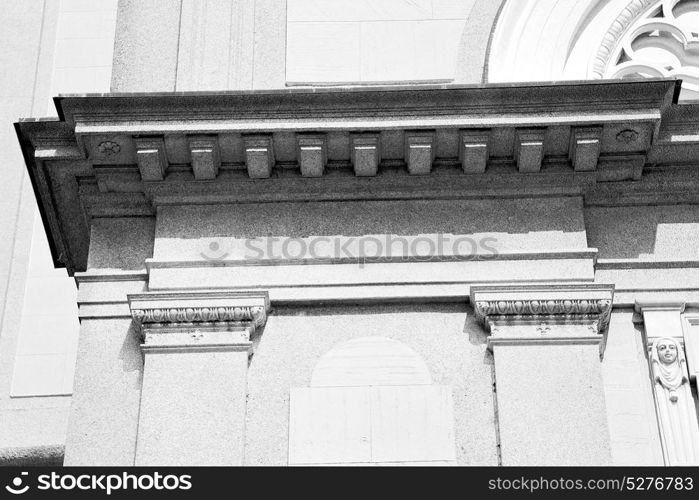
(310, 232)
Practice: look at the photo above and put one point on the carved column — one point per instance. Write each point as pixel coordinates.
(547, 344)
(195, 348)
(675, 407)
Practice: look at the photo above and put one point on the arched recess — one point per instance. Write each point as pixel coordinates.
(371, 401)
(370, 361)
(532, 38)
(548, 40)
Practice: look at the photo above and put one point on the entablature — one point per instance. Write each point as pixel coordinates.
(123, 155)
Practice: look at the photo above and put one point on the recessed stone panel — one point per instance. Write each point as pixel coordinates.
(620, 167)
(371, 425)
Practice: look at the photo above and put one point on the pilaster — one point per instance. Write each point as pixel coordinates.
(547, 342)
(672, 356)
(195, 348)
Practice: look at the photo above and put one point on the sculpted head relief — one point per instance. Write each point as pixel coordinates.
(674, 403)
(667, 351)
(668, 365)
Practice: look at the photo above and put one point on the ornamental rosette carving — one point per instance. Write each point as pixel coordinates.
(108, 148)
(627, 136)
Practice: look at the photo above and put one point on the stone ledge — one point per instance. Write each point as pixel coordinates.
(572, 340)
(224, 338)
(659, 305)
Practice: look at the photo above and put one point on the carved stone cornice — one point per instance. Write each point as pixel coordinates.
(545, 309)
(544, 314)
(202, 320)
(256, 315)
(106, 156)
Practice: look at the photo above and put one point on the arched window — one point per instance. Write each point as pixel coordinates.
(538, 40)
(661, 41)
(371, 401)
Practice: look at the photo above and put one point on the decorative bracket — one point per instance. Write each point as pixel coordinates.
(529, 149)
(473, 150)
(419, 152)
(259, 155)
(312, 154)
(206, 158)
(667, 320)
(585, 146)
(366, 154)
(151, 158)
(661, 319)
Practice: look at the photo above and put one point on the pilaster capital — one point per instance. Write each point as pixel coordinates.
(661, 319)
(653, 306)
(202, 320)
(572, 314)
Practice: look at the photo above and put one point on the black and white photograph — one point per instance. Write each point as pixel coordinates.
(370, 233)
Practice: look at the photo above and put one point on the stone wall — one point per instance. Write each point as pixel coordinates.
(275, 43)
(446, 336)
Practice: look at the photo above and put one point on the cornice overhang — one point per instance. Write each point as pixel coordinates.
(114, 155)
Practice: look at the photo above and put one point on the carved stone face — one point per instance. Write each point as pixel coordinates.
(667, 351)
